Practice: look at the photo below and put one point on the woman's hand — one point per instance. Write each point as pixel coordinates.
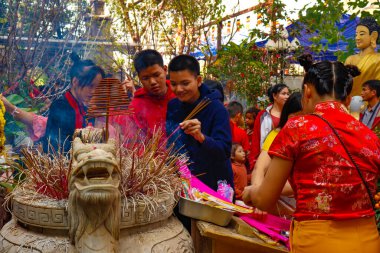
(246, 196)
(193, 128)
(257, 213)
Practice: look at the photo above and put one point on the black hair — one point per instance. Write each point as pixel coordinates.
(252, 110)
(84, 70)
(147, 58)
(331, 78)
(215, 85)
(373, 85)
(275, 89)
(371, 24)
(305, 60)
(234, 108)
(292, 105)
(185, 62)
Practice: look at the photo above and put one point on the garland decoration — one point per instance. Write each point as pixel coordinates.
(2, 125)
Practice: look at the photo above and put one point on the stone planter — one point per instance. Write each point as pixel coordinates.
(44, 228)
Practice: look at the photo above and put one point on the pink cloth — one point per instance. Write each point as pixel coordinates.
(196, 183)
(38, 128)
(270, 225)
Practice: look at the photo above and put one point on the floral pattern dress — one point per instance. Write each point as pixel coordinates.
(326, 183)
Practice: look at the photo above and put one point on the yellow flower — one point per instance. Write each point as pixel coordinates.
(2, 125)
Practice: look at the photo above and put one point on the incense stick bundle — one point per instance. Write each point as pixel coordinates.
(197, 109)
(204, 102)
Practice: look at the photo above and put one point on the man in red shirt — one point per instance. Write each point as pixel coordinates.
(149, 103)
(235, 110)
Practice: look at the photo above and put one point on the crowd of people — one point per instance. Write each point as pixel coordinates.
(305, 145)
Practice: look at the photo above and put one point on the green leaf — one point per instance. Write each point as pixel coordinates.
(7, 186)
(15, 99)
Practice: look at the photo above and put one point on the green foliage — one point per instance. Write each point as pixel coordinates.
(244, 67)
(176, 24)
(23, 99)
(321, 18)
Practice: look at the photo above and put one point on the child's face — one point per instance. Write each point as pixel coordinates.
(249, 120)
(185, 85)
(239, 155)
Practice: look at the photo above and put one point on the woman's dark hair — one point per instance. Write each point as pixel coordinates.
(292, 105)
(84, 70)
(305, 60)
(371, 24)
(275, 89)
(331, 78)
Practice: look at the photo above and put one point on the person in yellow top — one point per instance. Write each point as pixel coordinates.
(291, 108)
(367, 60)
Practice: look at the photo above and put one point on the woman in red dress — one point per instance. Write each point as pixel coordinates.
(334, 211)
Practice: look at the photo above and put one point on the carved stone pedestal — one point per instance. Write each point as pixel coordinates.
(38, 228)
(165, 236)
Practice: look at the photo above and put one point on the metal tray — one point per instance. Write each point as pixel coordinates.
(204, 212)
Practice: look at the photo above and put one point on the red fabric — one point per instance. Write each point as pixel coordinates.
(275, 121)
(148, 113)
(240, 178)
(79, 110)
(325, 182)
(249, 133)
(239, 136)
(255, 140)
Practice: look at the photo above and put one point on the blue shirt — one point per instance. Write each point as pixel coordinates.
(209, 160)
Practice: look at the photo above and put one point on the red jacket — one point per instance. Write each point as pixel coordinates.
(255, 140)
(148, 113)
(239, 136)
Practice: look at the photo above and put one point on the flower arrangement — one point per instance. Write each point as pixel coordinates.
(2, 125)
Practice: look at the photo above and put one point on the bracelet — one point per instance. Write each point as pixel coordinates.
(15, 111)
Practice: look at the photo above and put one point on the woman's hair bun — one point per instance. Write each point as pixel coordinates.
(74, 57)
(353, 70)
(305, 60)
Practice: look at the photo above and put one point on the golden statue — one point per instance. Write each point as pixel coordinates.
(367, 60)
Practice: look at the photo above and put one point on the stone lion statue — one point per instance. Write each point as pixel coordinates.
(94, 200)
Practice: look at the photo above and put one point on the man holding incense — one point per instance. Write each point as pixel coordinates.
(204, 129)
(149, 103)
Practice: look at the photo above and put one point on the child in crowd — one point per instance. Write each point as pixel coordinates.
(250, 116)
(238, 159)
(235, 110)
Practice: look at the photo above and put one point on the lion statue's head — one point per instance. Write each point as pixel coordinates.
(94, 200)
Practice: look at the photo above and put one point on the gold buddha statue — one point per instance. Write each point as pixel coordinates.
(367, 60)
